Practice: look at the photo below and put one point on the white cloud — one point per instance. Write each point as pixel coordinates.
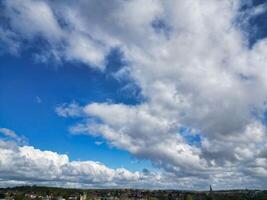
(258, 10)
(12, 135)
(28, 165)
(31, 18)
(36, 20)
(8, 132)
(199, 77)
(67, 110)
(9, 42)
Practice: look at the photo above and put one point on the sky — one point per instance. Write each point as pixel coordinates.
(133, 93)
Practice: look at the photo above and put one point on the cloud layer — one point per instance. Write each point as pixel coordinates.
(27, 165)
(198, 74)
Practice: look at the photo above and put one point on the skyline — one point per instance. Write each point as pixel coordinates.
(138, 94)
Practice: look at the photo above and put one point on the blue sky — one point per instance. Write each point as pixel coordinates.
(146, 96)
(34, 90)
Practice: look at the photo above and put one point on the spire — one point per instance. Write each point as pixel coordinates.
(210, 188)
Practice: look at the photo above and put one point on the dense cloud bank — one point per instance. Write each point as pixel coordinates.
(203, 114)
(25, 164)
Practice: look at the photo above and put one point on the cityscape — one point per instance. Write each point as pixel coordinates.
(49, 193)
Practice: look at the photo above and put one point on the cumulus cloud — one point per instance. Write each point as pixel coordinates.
(36, 21)
(20, 165)
(194, 66)
(27, 165)
(202, 78)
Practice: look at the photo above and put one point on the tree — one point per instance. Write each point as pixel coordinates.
(188, 197)
(19, 197)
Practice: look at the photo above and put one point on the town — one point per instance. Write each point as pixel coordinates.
(52, 193)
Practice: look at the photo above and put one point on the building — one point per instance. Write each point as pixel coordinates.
(83, 196)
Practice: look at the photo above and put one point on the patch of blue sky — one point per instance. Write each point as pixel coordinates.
(260, 114)
(191, 136)
(264, 118)
(254, 27)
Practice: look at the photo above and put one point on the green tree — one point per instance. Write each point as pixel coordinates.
(209, 198)
(188, 197)
(19, 197)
